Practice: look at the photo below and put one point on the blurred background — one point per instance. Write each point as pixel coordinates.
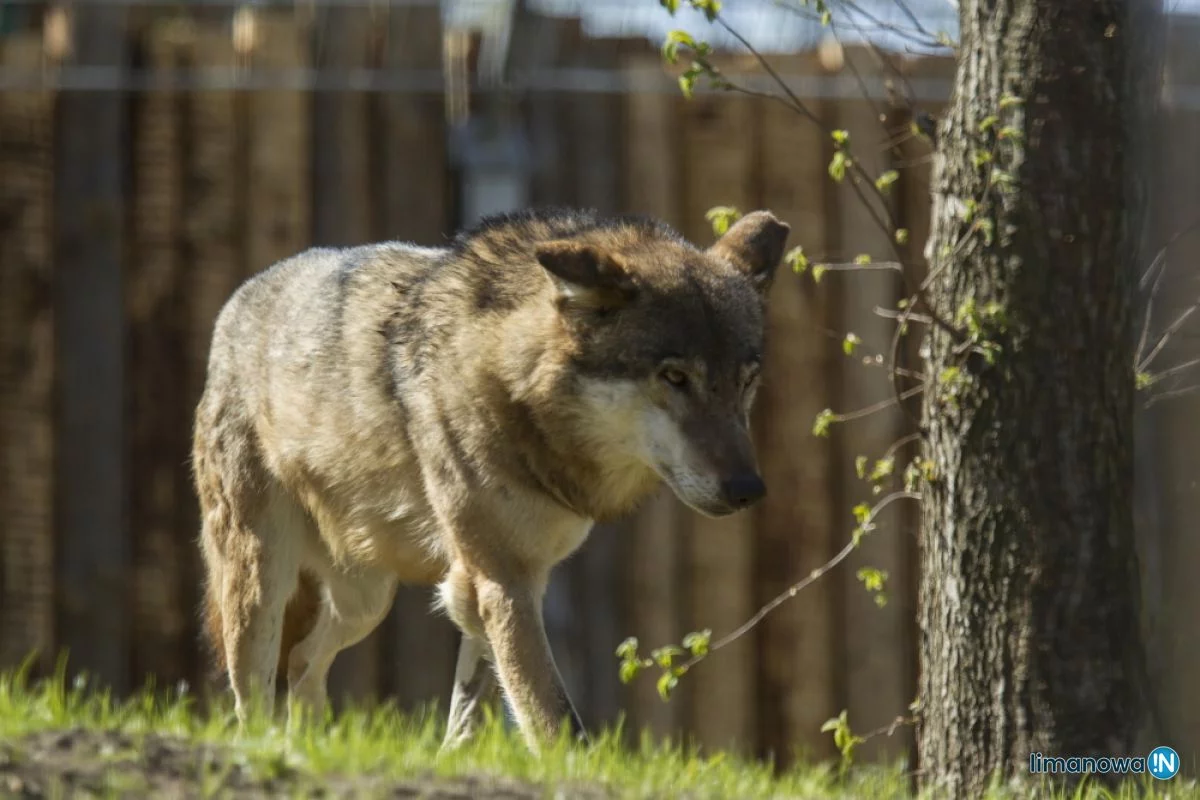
(153, 155)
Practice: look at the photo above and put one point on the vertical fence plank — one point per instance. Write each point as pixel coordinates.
(878, 683)
(796, 531)
(158, 440)
(93, 547)
(719, 140)
(653, 553)
(214, 240)
(593, 125)
(341, 216)
(27, 432)
(280, 188)
(1174, 640)
(415, 200)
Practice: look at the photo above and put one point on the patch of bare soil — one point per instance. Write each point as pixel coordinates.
(79, 763)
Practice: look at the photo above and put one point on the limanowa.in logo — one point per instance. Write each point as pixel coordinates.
(1162, 763)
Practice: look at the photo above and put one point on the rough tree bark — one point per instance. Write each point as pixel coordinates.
(1029, 597)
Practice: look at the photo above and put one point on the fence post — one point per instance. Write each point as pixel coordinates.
(91, 492)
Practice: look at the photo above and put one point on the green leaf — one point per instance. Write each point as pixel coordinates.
(675, 39)
(987, 228)
(665, 656)
(670, 5)
(823, 421)
(872, 579)
(1010, 132)
(884, 468)
(862, 512)
(1009, 100)
(850, 343)
(687, 83)
(862, 259)
(987, 123)
(1143, 380)
(902, 236)
(826, 17)
(666, 683)
(698, 642)
(629, 670)
(721, 218)
(884, 182)
(860, 467)
(833, 723)
(837, 166)
(818, 272)
(797, 259)
(1002, 178)
(628, 648)
(710, 8)
(840, 137)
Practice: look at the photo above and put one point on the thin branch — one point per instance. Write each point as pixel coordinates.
(1160, 264)
(853, 266)
(1166, 373)
(914, 35)
(1162, 340)
(796, 101)
(903, 440)
(904, 315)
(796, 588)
(1173, 393)
(890, 728)
(1162, 253)
(880, 406)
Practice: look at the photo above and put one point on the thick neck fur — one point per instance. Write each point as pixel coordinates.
(480, 337)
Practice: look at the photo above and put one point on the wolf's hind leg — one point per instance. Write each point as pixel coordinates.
(352, 605)
(258, 576)
(474, 687)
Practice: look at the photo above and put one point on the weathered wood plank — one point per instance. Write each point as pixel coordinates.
(158, 436)
(879, 684)
(796, 529)
(27, 329)
(718, 135)
(91, 487)
(280, 145)
(593, 125)
(653, 550)
(214, 232)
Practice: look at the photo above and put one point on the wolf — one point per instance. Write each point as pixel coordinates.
(459, 417)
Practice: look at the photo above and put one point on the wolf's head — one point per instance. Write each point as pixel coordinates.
(665, 346)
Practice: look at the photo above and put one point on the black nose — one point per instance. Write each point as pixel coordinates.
(742, 490)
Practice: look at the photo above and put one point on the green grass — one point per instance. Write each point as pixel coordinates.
(386, 745)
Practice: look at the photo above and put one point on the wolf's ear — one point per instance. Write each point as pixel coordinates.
(754, 244)
(586, 277)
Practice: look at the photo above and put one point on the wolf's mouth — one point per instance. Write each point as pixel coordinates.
(710, 507)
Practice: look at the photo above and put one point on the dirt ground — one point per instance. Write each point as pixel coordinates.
(77, 763)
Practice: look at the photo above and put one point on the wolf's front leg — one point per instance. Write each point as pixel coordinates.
(512, 619)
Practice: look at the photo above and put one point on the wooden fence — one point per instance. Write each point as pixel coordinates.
(127, 219)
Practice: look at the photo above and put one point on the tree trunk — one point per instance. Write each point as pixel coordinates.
(1029, 598)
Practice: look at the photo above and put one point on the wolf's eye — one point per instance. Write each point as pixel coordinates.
(676, 377)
